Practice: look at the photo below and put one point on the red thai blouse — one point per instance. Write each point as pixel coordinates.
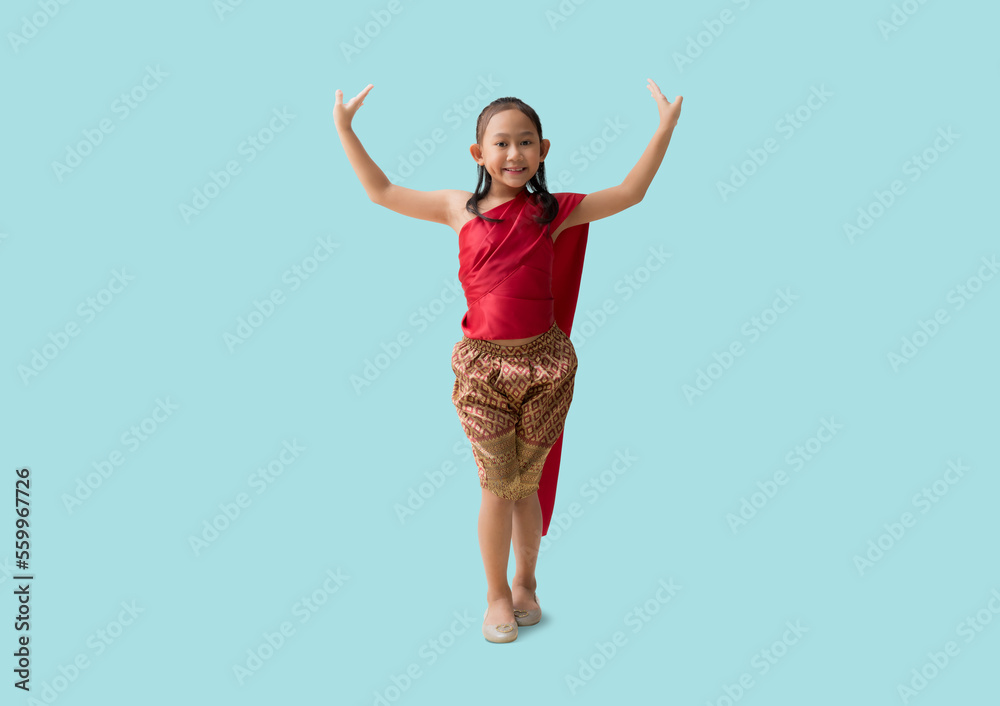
(516, 280)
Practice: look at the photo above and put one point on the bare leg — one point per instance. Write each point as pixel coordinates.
(495, 519)
(527, 536)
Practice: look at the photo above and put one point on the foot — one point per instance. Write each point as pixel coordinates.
(499, 624)
(526, 608)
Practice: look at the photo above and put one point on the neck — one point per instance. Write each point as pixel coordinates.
(501, 193)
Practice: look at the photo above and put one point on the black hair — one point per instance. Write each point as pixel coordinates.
(536, 185)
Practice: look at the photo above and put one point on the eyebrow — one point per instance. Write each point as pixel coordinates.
(523, 132)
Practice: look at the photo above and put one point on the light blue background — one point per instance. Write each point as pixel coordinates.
(334, 507)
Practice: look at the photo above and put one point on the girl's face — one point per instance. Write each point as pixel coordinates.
(511, 150)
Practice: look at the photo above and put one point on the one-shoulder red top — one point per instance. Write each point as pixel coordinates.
(517, 282)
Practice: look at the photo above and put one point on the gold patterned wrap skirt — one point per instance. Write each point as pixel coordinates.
(512, 402)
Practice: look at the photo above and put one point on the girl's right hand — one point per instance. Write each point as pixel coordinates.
(343, 113)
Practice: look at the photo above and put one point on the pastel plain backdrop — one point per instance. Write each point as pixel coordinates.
(229, 372)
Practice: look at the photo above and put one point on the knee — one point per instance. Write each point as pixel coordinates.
(491, 498)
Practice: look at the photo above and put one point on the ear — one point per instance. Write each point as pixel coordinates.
(545, 149)
(477, 154)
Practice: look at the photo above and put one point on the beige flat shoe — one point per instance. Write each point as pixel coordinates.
(501, 632)
(529, 617)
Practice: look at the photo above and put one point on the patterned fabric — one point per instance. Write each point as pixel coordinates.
(512, 403)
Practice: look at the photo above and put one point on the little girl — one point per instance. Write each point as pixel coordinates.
(520, 259)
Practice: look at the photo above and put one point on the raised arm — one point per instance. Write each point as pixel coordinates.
(436, 206)
(607, 202)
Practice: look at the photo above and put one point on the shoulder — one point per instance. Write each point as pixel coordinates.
(563, 198)
(568, 201)
(568, 215)
(456, 197)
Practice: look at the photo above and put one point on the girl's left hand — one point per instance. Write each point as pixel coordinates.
(669, 112)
